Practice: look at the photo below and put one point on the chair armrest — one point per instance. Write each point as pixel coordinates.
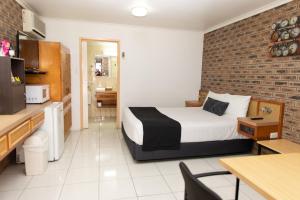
(211, 174)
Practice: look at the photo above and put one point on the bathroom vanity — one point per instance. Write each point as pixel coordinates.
(107, 99)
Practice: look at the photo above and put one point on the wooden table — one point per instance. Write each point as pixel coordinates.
(279, 146)
(276, 177)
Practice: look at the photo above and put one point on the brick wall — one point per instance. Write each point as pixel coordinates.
(236, 60)
(10, 20)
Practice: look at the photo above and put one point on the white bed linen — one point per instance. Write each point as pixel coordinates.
(197, 125)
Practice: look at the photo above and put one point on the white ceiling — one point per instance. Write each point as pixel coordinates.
(180, 14)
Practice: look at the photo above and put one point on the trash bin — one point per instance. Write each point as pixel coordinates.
(36, 153)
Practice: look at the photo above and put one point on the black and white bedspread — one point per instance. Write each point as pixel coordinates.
(160, 131)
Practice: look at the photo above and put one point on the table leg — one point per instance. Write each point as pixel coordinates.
(258, 149)
(237, 188)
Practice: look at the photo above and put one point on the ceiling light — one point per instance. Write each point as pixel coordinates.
(139, 11)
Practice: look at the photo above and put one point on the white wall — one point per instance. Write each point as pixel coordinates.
(162, 67)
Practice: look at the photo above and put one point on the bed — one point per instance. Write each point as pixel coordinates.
(202, 133)
(222, 139)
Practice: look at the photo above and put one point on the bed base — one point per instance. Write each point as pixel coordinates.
(193, 149)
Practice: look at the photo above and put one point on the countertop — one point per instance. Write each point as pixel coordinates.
(8, 122)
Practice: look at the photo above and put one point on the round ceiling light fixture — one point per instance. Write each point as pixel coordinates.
(139, 11)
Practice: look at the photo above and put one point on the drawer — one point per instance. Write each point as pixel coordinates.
(106, 95)
(3, 146)
(18, 134)
(108, 102)
(37, 121)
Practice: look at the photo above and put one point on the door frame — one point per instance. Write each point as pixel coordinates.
(81, 40)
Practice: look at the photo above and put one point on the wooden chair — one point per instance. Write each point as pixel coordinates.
(195, 189)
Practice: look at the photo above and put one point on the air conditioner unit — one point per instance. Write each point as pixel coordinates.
(32, 25)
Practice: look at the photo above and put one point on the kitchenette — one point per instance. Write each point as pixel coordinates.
(35, 98)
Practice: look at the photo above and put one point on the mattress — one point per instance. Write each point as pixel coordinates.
(197, 125)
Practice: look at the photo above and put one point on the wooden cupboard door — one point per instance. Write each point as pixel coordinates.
(66, 71)
(67, 120)
(3, 146)
(18, 134)
(49, 61)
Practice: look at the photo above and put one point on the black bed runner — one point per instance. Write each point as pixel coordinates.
(160, 131)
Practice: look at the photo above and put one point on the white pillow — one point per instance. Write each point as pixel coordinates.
(216, 96)
(238, 105)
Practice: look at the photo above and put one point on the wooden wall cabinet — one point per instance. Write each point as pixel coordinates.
(54, 58)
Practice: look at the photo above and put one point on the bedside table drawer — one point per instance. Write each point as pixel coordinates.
(247, 129)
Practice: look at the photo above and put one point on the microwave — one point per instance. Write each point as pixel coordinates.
(37, 93)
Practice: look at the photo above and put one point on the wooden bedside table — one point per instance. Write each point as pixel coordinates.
(259, 129)
(195, 103)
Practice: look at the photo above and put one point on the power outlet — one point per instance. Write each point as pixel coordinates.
(274, 135)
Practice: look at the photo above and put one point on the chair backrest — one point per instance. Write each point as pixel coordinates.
(194, 189)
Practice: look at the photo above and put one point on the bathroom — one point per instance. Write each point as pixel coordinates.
(102, 62)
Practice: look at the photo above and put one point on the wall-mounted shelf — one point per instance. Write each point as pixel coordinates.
(12, 93)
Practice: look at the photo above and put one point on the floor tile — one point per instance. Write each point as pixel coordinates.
(48, 193)
(112, 172)
(168, 167)
(13, 182)
(158, 197)
(53, 178)
(85, 162)
(10, 195)
(252, 194)
(150, 186)
(82, 175)
(175, 182)
(15, 169)
(80, 191)
(117, 189)
(111, 158)
(214, 162)
(228, 193)
(143, 169)
(62, 164)
(179, 195)
(198, 166)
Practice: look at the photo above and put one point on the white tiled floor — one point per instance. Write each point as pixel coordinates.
(97, 165)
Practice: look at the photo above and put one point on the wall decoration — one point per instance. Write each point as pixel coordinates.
(4, 48)
(285, 37)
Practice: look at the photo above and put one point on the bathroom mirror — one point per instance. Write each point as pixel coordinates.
(101, 66)
(104, 65)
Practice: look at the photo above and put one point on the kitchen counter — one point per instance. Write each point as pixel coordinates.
(9, 122)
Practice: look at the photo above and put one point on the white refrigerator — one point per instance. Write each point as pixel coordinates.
(54, 126)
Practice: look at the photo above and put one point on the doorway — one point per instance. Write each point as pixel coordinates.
(100, 81)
